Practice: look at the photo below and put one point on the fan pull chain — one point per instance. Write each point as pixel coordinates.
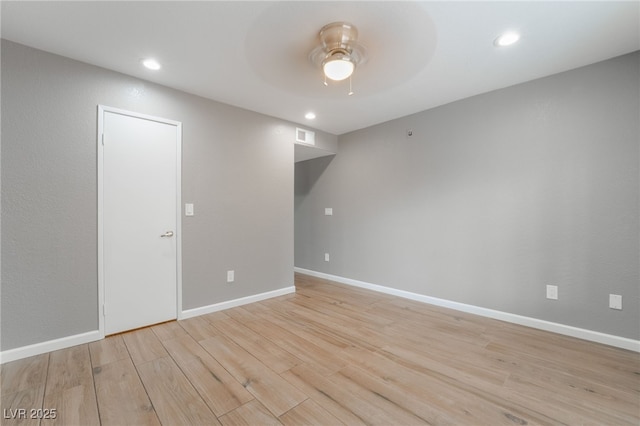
(350, 87)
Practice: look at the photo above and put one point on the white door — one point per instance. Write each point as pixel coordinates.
(139, 219)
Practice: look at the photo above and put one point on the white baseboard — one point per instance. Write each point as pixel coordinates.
(189, 313)
(567, 330)
(49, 346)
(92, 336)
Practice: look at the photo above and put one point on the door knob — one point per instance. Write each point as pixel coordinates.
(167, 234)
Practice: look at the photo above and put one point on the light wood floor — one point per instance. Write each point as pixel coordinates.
(329, 355)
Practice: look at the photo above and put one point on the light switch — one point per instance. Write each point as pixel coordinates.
(188, 209)
(328, 211)
(552, 292)
(615, 301)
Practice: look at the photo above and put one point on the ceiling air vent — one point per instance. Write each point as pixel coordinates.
(306, 137)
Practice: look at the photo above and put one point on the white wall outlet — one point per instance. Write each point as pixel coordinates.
(231, 276)
(615, 301)
(552, 292)
(328, 211)
(188, 209)
(326, 257)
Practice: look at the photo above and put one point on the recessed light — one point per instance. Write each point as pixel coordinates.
(507, 39)
(151, 64)
(309, 116)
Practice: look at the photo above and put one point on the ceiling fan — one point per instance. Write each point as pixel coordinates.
(339, 52)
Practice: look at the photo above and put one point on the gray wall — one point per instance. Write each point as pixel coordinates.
(491, 199)
(237, 170)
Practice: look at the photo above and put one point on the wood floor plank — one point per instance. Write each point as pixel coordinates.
(323, 331)
(363, 404)
(465, 372)
(406, 309)
(330, 354)
(308, 413)
(337, 408)
(69, 368)
(168, 330)
(250, 414)
(241, 314)
(340, 292)
(315, 327)
(263, 349)
(323, 360)
(121, 396)
(269, 388)
(455, 333)
(219, 390)
(22, 387)
(623, 373)
(17, 406)
(557, 348)
(382, 410)
(480, 399)
(216, 316)
(415, 401)
(174, 399)
(329, 338)
(337, 312)
(70, 388)
(109, 349)
(23, 374)
(564, 379)
(74, 406)
(318, 292)
(143, 345)
(607, 405)
(199, 328)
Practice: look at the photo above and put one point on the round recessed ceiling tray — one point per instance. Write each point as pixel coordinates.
(399, 38)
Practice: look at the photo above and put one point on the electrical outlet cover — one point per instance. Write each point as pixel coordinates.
(615, 301)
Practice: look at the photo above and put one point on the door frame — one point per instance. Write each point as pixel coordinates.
(102, 109)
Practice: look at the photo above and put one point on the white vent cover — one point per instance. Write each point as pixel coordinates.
(306, 137)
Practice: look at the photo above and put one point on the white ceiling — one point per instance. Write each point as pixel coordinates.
(255, 54)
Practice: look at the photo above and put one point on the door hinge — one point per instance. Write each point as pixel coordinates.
(102, 139)
(104, 311)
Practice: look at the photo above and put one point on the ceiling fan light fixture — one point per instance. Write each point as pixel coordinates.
(339, 52)
(338, 67)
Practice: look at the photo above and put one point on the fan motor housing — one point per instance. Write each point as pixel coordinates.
(338, 36)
